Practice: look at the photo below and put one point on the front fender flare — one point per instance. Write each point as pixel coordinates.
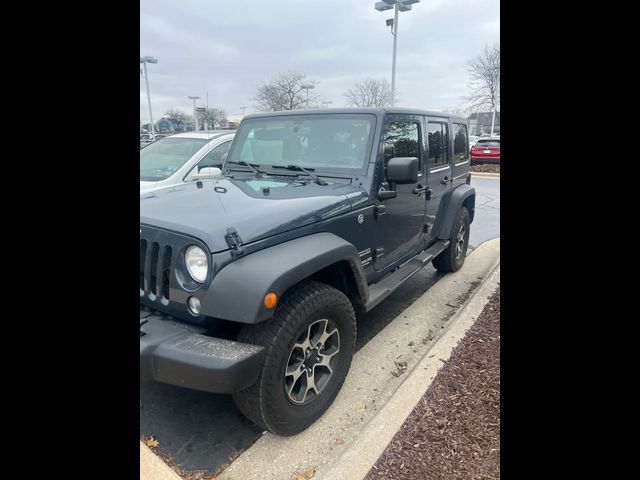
(237, 291)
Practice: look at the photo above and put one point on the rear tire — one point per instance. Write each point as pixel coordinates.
(451, 259)
(312, 316)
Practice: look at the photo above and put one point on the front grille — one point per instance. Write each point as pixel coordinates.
(155, 269)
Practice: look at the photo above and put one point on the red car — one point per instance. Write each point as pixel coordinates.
(486, 150)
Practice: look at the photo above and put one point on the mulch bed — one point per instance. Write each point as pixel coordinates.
(486, 168)
(454, 431)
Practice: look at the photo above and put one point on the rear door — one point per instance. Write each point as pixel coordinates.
(439, 171)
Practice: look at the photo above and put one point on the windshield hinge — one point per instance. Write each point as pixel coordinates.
(235, 242)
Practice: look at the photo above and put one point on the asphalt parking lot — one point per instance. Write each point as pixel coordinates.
(200, 431)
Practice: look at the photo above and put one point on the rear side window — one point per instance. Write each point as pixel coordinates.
(438, 137)
(401, 140)
(460, 142)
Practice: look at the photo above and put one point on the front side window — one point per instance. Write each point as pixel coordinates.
(401, 140)
(214, 157)
(326, 142)
(460, 142)
(164, 157)
(438, 138)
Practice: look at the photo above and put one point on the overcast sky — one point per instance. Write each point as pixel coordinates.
(228, 48)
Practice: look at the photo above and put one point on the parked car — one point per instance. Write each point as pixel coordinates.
(250, 281)
(486, 150)
(176, 158)
(473, 139)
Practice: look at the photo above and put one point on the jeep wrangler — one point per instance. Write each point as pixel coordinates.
(251, 279)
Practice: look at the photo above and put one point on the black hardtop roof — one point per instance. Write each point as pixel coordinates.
(374, 111)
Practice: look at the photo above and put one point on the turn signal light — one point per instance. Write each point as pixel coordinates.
(270, 300)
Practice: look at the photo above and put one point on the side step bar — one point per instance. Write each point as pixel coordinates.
(385, 287)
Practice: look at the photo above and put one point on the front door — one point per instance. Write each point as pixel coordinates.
(401, 227)
(439, 175)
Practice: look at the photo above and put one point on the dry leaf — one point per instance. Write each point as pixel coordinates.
(152, 442)
(361, 407)
(309, 472)
(299, 477)
(339, 441)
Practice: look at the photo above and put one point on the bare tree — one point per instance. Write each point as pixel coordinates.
(284, 92)
(177, 116)
(215, 117)
(189, 123)
(485, 80)
(370, 93)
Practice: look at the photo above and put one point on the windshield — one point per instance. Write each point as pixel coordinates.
(488, 143)
(323, 142)
(164, 157)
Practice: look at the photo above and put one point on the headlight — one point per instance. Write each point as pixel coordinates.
(197, 263)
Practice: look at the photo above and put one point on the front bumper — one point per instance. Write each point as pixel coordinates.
(180, 354)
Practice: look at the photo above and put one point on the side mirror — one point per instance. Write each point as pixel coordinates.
(402, 170)
(204, 173)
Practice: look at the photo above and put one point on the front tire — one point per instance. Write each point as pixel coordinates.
(309, 344)
(452, 258)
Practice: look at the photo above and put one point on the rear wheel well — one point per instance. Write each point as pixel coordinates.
(470, 203)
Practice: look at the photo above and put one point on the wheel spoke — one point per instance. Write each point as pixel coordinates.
(326, 335)
(325, 361)
(311, 384)
(296, 374)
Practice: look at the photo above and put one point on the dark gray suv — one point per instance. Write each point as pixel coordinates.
(250, 281)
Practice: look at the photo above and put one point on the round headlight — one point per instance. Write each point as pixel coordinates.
(197, 263)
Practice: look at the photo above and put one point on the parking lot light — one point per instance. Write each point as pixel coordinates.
(144, 61)
(398, 6)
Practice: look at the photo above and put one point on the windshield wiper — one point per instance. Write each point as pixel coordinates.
(307, 171)
(252, 166)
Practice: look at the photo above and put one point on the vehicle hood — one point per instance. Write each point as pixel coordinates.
(256, 207)
(147, 186)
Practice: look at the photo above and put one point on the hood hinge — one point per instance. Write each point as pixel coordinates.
(235, 242)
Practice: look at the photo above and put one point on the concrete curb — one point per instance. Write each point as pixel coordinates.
(484, 175)
(153, 468)
(357, 461)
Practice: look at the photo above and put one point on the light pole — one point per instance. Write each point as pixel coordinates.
(195, 117)
(398, 6)
(144, 61)
(243, 109)
(307, 88)
(493, 102)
